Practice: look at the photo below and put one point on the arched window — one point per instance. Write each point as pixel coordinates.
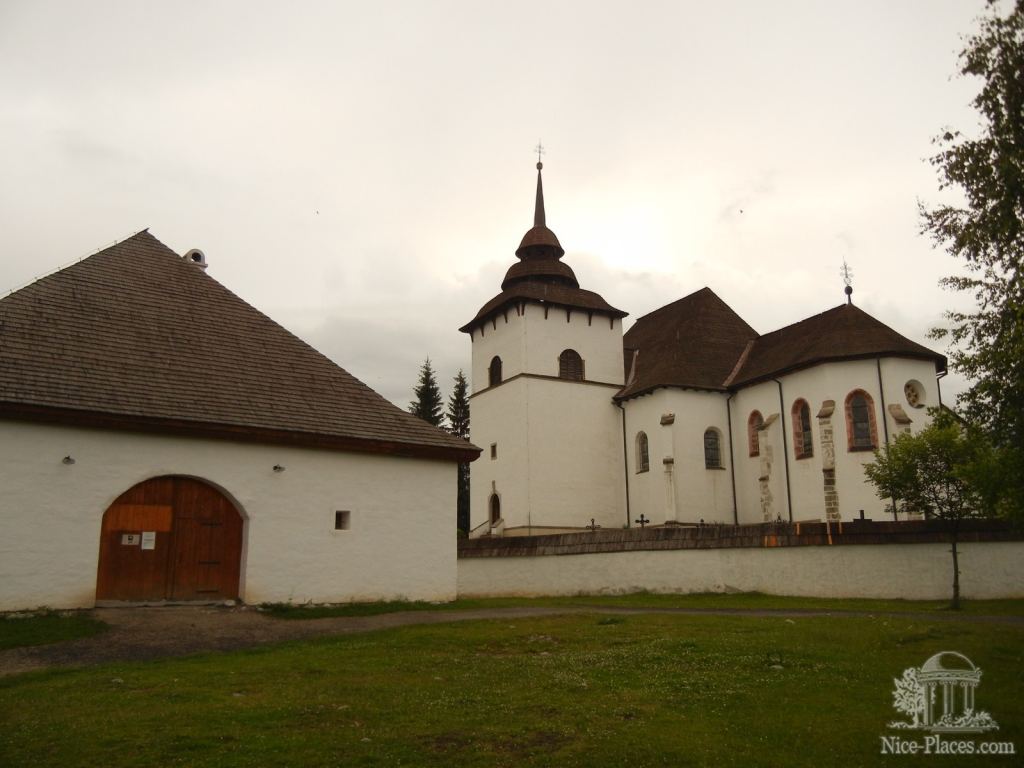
(495, 506)
(803, 444)
(861, 432)
(570, 365)
(712, 449)
(753, 425)
(643, 459)
(494, 372)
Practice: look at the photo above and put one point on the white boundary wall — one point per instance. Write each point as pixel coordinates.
(988, 570)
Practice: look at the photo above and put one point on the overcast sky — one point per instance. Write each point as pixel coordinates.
(362, 172)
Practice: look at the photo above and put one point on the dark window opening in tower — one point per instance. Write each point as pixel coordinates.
(570, 365)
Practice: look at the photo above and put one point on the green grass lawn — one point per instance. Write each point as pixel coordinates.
(45, 626)
(586, 690)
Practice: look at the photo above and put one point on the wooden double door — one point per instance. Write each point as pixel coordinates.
(170, 538)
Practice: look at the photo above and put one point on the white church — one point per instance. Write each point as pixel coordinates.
(690, 417)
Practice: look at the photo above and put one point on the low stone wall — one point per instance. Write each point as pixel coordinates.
(861, 559)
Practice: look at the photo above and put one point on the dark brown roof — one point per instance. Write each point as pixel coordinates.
(543, 270)
(693, 342)
(845, 332)
(550, 293)
(135, 337)
(699, 342)
(540, 237)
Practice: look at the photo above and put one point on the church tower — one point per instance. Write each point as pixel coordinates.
(547, 360)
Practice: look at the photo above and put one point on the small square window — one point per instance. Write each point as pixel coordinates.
(342, 520)
(494, 450)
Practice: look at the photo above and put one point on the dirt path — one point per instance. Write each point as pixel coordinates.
(157, 632)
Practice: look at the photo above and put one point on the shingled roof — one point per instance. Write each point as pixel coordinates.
(134, 337)
(693, 342)
(699, 342)
(845, 332)
(554, 294)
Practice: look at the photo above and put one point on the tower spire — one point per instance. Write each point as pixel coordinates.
(538, 211)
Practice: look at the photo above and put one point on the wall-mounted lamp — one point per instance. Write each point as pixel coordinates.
(68, 460)
(278, 468)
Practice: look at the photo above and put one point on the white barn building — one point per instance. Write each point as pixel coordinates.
(162, 440)
(691, 416)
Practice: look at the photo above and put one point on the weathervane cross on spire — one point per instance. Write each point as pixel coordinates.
(539, 149)
(847, 274)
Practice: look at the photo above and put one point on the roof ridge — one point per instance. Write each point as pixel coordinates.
(739, 363)
(681, 299)
(62, 267)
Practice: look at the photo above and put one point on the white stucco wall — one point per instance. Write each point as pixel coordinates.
(531, 343)
(497, 417)
(401, 542)
(559, 454)
(830, 381)
(699, 493)
(989, 570)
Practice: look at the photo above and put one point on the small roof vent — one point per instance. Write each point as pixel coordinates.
(197, 257)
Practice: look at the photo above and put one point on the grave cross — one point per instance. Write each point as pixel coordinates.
(643, 521)
(593, 525)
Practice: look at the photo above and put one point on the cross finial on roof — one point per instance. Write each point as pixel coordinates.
(847, 275)
(539, 149)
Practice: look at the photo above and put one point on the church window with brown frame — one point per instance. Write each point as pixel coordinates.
(753, 426)
(643, 460)
(861, 431)
(803, 442)
(712, 449)
(494, 372)
(570, 365)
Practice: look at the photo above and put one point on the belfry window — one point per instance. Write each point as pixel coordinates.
(494, 372)
(803, 444)
(712, 449)
(643, 460)
(570, 365)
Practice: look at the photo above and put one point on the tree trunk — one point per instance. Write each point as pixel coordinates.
(955, 605)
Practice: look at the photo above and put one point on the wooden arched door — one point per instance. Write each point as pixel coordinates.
(170, 538)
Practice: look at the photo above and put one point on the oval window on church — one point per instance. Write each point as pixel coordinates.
(914, 392)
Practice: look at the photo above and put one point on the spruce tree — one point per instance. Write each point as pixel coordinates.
(458, 425)
(427, 404)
